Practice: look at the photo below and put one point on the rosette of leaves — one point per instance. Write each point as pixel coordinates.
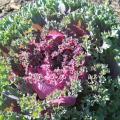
(50, 67)
(100, 38)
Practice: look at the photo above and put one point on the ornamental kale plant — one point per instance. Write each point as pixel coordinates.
(60, 61)
(52, 65)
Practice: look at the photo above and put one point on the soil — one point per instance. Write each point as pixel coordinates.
(8, 6)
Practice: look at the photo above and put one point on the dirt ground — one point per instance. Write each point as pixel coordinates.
(7, 6)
